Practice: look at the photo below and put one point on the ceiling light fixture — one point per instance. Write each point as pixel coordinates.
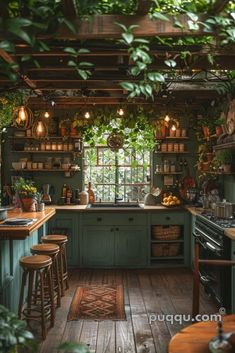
(22, 114)
(173, 128)
(120, 112)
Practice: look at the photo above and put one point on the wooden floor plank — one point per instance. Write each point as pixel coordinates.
(159, 291)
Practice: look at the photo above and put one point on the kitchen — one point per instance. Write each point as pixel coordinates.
(129, 172)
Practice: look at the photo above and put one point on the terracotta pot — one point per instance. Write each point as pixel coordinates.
(209, 156)
(205, 166)
(218, 130)
(28, 204)
(63, 131)
(206, 131)
(73, 131)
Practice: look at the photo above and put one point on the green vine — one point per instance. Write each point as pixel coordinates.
(8, 105)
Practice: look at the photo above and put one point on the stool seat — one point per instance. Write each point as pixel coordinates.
(55, 238)
(46, 248)
(35, 262)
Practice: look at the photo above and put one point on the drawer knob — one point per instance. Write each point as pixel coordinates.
(168, 218)
(99, 219)
(131, 219)
(117, 229)
(111, 230)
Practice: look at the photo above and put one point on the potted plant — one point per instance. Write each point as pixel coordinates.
(64, 127)
(13, 334)
(224, 158)
(27, 194)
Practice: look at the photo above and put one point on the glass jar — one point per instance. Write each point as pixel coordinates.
(176, 147)
(42, 146)
(178, 132)
(70, 146)
(172, 167)
(183, 132)
(164, 147)
(48, 146)
(54, 146)
(181, 147)
(170, 147)
(59, 146)
(166, 166)
(48, 163)
(65, 146)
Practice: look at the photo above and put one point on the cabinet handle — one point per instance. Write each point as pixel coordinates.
(131, 219)
(111, 230)
(99, 219)
(117, 229)
(168, 218)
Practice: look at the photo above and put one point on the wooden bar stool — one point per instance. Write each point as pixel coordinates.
(44, 309)
(60, 240)
(51, 250)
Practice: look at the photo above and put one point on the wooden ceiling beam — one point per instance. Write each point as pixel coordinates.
(143, 7)
(218, 6)
(105, 26)
(68, 8)
(6, 57)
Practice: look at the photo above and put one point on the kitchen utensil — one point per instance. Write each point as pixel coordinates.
(46, 198)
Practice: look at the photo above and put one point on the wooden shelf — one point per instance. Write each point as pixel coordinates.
(224, 145)
(168, 173)
(43, 138)
(44, 170)
(43, 151)
(179, 257)
(167, 152)
(153, 241)
(175, 138)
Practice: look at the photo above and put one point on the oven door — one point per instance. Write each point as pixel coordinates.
(215, 279)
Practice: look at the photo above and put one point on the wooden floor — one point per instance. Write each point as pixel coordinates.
(160, 291)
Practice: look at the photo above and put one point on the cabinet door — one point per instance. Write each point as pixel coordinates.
(97, 246)
(67, 223)
(130, 246)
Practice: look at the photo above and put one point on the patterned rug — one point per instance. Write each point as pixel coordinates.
(102, 302)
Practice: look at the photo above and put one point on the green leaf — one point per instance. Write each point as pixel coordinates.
(43, 45)
(122, 26)
(156, 77)
(127, 86)
(141, 66)
(70, 51)
(178, 24)
(83, 51)
(211, 58)
(85, 63)
(72, 63)
(135, 71)
(192, 16)
(69, 24)
(159, 16)
(141, 40)
(7, 46)
(26, 58)
(193, 26)
(170, 63)
(128, 37)
(83, 74)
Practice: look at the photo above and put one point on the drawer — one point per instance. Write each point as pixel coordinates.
(167, 218)
(123, 218)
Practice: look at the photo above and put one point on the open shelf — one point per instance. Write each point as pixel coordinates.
(167, 152)
(44, 170)
(15, 151)
(168, 173)
(178, 257)
(224, 145)
(153, 241)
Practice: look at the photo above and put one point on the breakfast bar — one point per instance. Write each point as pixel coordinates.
(15, 242)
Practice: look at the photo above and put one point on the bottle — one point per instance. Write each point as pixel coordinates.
(91, 195)
(64, 190)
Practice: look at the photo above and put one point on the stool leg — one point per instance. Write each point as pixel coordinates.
(43, 323)
(61, 271)
(51, 295)
(23, 284)
(30, 293)
(57, 279)
(66, 267)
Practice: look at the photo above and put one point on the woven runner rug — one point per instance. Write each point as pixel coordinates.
(102, 302)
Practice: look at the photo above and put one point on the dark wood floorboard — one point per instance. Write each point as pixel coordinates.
(146, 293)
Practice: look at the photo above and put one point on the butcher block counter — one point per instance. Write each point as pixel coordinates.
(21, 232)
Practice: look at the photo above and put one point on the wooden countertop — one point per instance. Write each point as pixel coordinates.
(21, 232)
(143, 208)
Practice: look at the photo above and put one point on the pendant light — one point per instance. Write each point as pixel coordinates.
(87, 115)
(23, 118)
(120, 111)
(46, 114)
(167, 118)
(39, 129)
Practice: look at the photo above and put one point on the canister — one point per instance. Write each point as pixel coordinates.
(83, 195)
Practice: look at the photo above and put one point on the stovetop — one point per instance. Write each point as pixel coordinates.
(220, 222)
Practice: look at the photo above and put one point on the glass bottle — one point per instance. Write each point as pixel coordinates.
(91, 195)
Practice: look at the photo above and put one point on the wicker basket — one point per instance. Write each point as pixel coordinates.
(165, 249)
(166, 232)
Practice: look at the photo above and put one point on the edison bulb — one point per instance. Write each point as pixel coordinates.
(87, 115)
(22, 114)
(173, 128)
(120, 112)
(46, 115)
(167, 118)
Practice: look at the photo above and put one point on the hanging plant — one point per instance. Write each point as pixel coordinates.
(9, 103)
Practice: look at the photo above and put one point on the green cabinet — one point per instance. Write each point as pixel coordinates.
(97, 246)
(114, 240)
(67, 223)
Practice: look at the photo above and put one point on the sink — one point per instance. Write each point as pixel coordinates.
(114, 205)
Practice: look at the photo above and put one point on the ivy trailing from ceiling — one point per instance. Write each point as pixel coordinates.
(136, 127)
(9, 103)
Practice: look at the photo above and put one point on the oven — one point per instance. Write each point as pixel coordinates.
(214, 245)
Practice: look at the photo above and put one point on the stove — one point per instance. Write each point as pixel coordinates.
(214, 245)
(221, 222)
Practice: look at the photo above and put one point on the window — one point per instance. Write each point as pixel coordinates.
(124, 174)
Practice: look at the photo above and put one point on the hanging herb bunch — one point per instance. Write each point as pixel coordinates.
(135, 126)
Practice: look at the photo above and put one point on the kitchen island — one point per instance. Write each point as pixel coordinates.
(15, 241)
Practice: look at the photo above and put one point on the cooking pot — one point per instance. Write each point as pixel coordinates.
(3, 212)
(224, 210)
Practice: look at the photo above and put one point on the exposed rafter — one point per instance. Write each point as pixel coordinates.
(5, 56)
(69, 8)
(219, 6)
(143, 7)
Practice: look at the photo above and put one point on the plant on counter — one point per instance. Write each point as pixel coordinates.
(25, 188)
(70, 347)
(13, 333)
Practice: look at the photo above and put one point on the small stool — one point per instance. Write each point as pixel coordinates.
(60, 240)
(39, 265)
(51, 250)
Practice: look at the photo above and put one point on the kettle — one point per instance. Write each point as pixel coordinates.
(224, 209)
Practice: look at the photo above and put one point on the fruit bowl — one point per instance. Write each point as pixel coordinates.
(170, 206)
